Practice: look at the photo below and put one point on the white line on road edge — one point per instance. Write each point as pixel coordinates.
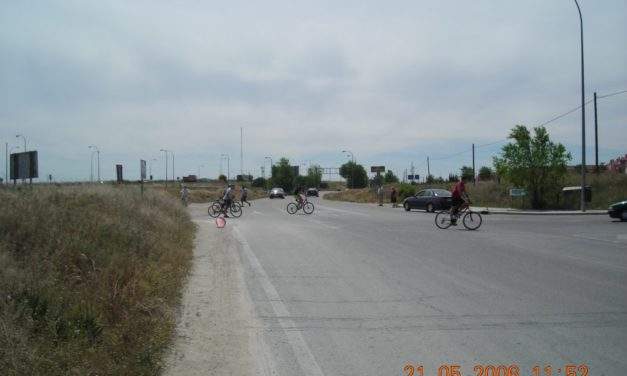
(305, 358)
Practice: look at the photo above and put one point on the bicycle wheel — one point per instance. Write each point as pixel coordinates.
(292, 208)
(472, 220)
(443, 219)
(308, 208)
(236, 210)
(214, 210)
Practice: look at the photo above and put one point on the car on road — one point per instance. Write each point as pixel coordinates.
(312, 192)
(429, 200)
(277, 192)
(618, 210)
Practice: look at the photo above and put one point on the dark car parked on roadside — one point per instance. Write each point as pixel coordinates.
(618, 210)
(429, 200)
(312, 192)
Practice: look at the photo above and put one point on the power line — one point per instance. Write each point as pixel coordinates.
(541, 125)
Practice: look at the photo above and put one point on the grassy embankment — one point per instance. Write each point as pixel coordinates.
(89, 279)
(607, 188)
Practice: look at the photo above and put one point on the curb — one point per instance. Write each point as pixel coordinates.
(487, 212)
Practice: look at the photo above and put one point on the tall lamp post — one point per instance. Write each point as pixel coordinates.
(228, 166)
(352, 168)
(583, 117)
(97, 151)
(24, 137)
(165, 152)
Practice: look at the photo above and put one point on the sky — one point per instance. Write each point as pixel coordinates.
(393, 82)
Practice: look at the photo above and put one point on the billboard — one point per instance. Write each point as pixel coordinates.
(24, 165)
(142, 169)
(118, 172)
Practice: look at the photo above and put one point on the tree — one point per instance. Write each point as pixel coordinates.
(453, 178)
(390, 177)
(283, 175)
(355, 175)
(430, 179)
(222, 178)
(485, 173)
(467, 173)
(535, 163)
(259, 183)
(314, 176)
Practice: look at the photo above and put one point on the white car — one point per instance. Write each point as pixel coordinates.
(277, 192)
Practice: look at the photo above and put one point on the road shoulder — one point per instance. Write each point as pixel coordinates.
(216, 331)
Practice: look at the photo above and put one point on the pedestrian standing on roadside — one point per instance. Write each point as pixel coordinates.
(244, 196)
(393, 197)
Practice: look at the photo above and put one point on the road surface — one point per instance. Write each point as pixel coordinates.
(358, 289)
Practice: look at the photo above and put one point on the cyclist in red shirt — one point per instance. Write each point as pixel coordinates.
(459, 195)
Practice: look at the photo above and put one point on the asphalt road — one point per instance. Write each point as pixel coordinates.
(362, 290)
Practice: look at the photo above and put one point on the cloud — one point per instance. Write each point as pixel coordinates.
(395, 81)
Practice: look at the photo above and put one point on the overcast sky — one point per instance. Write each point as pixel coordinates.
(394, 82)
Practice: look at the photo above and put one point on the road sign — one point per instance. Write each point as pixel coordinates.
(142, 168)
(24, 165)
(377, 168)
(118, 171)
(410, 177)
(517, 192)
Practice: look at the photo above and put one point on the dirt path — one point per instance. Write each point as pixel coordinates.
(216, 331)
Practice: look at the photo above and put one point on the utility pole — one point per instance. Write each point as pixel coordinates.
(6, 160)
(98, 159)
(165, 152)
(241, 151)
(173, 175)
(596, 135)
(428, 168)
(91, 166)
(474, 175)
(583, 117)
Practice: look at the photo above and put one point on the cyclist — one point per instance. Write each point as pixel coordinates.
(459, 197)
(244, 196)
(298, 196)
(184, 195)
(227, 199)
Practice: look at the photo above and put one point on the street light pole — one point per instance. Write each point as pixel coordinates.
(583, 117)
(24, 137)
(165, 152)
(173, 175)
(228, 166)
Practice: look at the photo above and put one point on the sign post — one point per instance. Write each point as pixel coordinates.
(142, 174)
(378, 170)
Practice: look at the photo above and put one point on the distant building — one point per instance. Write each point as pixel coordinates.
(618, 165)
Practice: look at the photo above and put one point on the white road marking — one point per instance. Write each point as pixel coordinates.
(305, 358)
(257, 212)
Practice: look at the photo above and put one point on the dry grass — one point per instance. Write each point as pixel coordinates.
(89, 279)
(607, 188)
(364, 195)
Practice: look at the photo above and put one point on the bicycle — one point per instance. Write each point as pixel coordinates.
(471, 220)
(218, 207)
(305, 205)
